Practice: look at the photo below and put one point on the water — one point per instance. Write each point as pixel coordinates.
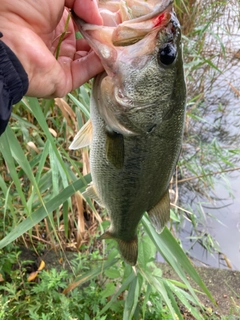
(225, 229)
(221, 113)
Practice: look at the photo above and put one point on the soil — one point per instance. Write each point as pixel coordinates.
(223, 284)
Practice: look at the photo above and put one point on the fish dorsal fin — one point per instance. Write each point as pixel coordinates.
(160, 214)
(115, 149)
(83, 137)
(127, 249)
(92, 193)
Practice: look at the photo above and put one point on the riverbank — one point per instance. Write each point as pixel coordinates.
(224, 286)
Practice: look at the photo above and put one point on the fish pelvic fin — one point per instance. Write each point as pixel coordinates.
(160, 214)
(83, 138)
(127, 249)
(92, 193)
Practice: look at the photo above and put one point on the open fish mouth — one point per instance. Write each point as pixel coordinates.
(127, 30)
(128, 33)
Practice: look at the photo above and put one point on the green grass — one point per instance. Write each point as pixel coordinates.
(104, 289)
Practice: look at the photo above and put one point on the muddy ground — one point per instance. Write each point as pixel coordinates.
(224, 286)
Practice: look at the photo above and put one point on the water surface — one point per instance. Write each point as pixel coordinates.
(220, 113)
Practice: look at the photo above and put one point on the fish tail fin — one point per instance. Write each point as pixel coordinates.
(128, 249)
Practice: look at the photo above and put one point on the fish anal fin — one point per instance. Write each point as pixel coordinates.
(92, 193)
(127, 249)
(106, 235)
(115, 149)
(83, 137)
(160, 214)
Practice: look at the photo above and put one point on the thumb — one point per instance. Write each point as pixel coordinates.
(86, 9)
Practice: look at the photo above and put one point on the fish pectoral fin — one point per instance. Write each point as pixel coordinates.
(92, 193)
(160, 214)
(127, 249)
(83, 137)
(115, 149)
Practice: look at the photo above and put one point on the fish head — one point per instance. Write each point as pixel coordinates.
(140, 49)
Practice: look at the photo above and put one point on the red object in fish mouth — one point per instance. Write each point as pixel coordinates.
(162, 19)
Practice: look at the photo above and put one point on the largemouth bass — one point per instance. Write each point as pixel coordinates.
(137, 115)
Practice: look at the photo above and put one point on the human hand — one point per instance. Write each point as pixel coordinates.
(32, 30)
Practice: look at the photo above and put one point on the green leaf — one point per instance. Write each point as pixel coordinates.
(7, 154)
(112, 273)
(8, 198)
(146, 251)
(87, 276)
(172, 299)
(131, 299)
(175, 256)
(33, 105)
(184, 297)
(80, 105)
(160, 288)
(109, 290)
(123, 287)
(86, 317)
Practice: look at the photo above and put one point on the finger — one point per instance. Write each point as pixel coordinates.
(85, 68)
(86, 9)
(82, 45)
(70, 47)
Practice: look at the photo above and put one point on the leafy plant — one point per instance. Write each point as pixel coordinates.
(106, 289)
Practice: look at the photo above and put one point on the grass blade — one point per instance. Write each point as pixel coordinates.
(9, 159)
(175, 256)
(43, 211)
(96, 271)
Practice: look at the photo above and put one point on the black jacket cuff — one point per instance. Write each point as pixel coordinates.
(13, 83)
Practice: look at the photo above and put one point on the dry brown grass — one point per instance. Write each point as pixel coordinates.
(187, 11)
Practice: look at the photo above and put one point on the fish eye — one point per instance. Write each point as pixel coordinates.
(167, 55)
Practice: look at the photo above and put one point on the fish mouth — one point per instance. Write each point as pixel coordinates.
(133, 30)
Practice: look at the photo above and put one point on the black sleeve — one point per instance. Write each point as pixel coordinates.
(13, 83)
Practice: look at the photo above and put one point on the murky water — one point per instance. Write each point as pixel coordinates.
(220, 112)
(225, 229)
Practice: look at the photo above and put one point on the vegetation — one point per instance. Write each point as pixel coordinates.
(41, 207)
(205, 160)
